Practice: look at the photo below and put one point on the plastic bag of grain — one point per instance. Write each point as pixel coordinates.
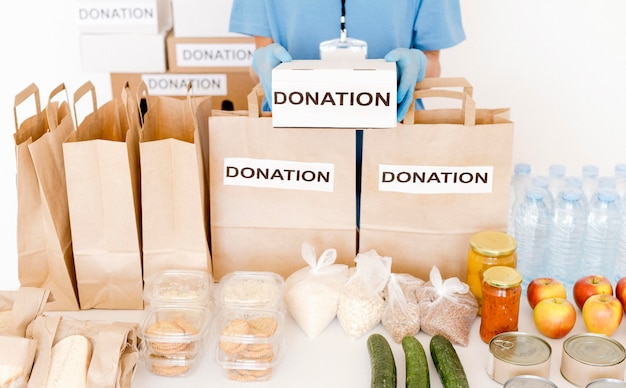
(447, 308)
(361, 302)
(401, 316)
(312, 293)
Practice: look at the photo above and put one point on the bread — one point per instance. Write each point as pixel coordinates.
(10, 375)
(69, 363)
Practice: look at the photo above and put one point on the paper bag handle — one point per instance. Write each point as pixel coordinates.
(255, 103)
(428, 89)
(52, 112)
(30, 90)
(85, 88)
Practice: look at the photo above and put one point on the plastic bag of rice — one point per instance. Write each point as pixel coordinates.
(312, 293)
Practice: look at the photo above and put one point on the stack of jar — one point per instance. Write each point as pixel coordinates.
(175, 328)
(248, 325)
(568, 226)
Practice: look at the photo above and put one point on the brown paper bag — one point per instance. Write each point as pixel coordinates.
(21, 308)
(114, 349)
(432, 182)
(174, 191)
(16, 359)
(102, 174)
(308, 195)
(44, 240)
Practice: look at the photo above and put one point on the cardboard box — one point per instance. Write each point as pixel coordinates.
(202, 18)
(123, 53)
(119, 16)
(335, 94)
(198, 55)
(229, 90)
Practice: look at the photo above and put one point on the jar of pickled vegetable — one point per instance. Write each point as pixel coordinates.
(488, 249)
(502, 292)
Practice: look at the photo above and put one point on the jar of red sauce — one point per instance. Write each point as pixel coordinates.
(502, 292)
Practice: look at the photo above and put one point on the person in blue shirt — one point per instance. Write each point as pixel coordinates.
(408, 32)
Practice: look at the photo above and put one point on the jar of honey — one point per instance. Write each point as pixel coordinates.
(502, 292)
(488, 249)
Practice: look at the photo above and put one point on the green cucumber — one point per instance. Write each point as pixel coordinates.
(384, 374)
(447, 363)
(417, 374)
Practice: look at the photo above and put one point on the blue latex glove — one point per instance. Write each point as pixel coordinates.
(411, 67)
(264, 60)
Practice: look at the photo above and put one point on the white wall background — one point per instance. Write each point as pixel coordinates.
(560, 65)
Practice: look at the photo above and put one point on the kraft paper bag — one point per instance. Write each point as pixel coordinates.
(174, 191)
(274, 188)
(44, 240)
(114, 347)
(102, 174)
(439, 177)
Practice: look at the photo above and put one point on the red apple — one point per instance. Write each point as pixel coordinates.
(620, 291)
(543, 288)
(590, 285)
(554, 317)
(602, 314)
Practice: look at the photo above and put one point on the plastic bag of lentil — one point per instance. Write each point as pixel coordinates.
(447, 308)
(312, 293)
(401, 316)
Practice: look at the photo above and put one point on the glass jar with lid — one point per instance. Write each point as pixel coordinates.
(488, 249)
(502, 292)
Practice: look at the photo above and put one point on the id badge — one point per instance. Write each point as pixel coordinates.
(343, 48)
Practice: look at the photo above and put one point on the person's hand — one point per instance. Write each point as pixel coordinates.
(264, 60)
(411, 67)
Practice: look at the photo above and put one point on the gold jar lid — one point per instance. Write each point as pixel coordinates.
(493, 243)
(502, 277)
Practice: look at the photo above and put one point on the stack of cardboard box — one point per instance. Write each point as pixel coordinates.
(168, 44)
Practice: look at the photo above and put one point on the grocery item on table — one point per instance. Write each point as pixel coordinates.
(361, 303)
(516, 353)
(312, 293)
(179, 287)
(501, 301)
(587, 357)
(401, 316)
(253, 289)
(447, 308)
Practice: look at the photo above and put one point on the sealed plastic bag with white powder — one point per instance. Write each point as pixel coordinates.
(312, 293)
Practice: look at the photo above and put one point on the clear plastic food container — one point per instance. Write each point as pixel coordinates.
(169, 366)
(175, 331)
(180, 287)
(249, 342)
(250, 289)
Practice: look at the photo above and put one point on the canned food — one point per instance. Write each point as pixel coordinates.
(606, 383)
(588, 357)
(528, 381)
(516, 353)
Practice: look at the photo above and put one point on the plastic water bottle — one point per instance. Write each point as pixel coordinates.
(532, 233)
(620, 179)
(569, 221)
(604, 225)
(556, 173)
(590, 174)
(520, 181)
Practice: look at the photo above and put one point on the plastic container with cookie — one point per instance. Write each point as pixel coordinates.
(179, 287)
(168, 366)
(249, 342)
(175, 331)
(250, 289)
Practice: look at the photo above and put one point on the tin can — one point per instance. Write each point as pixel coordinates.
(488, 249)
(606, 383)
(501, 301)
(588, 357)
(528, 381)
(516, 353)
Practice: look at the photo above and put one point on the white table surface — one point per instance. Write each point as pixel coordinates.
(333, 360)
